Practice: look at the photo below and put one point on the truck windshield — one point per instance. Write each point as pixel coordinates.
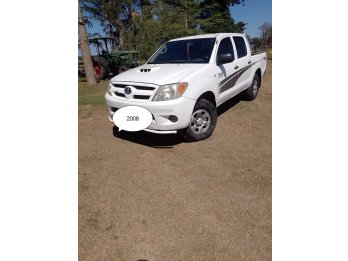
(184, 51)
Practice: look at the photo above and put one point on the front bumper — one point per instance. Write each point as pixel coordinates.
(161, 110)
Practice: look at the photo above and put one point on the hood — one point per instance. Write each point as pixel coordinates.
(158, 73)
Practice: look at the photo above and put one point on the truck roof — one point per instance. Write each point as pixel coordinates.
(199, 36)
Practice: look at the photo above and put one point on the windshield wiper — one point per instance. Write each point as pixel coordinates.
(170, 61)
(177, 61)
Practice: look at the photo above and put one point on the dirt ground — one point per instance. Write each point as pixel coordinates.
(148, 197)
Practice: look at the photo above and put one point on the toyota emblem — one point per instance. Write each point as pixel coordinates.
(127, 90)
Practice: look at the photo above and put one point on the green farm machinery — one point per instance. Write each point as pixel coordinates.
(108, 60)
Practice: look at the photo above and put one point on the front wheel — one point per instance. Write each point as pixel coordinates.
(202, 123)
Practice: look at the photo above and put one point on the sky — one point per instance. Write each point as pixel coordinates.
(254, 13)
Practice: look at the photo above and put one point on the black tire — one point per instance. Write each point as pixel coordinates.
(251, 93)
(204, 116)
(100, 66)
(122, 69)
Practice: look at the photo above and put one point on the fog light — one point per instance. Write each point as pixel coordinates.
(173, 118)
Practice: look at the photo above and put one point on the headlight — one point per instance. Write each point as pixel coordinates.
(170, 91)
(109, 88)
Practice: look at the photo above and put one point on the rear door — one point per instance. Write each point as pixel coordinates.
(244, 63)
(226, 74)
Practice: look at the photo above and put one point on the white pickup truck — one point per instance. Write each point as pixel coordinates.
(186, 79)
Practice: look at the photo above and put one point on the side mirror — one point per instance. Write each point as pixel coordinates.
(225, 58)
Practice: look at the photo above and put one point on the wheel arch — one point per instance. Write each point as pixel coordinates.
(210, 96)
(258, 73)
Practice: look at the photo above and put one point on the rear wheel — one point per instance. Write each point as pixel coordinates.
(251, 93)
(202, 123)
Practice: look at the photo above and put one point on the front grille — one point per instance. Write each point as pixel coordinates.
(141, 97)
(144, 88)
(139, 93)
(144, 97)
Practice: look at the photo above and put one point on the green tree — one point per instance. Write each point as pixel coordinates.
(177, 18)
(115, 16)
(86, 56)
(146, 24)
(142, 36)
(215, 17)
(143, 30)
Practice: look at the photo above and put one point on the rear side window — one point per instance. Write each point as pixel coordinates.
(240, 46)
(225, 47)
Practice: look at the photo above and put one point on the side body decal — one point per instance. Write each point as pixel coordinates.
(230, 81)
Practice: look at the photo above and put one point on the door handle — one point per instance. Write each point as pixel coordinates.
(236, 67)
(249, 62)
(220, 75)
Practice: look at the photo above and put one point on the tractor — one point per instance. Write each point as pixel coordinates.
(109, 61)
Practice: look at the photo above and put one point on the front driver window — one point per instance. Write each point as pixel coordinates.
(225, 47)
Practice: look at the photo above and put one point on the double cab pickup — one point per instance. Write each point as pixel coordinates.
(186, 79)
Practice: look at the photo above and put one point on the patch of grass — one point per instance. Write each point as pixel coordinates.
(91, 100)
(269, 54)
(92, 95)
